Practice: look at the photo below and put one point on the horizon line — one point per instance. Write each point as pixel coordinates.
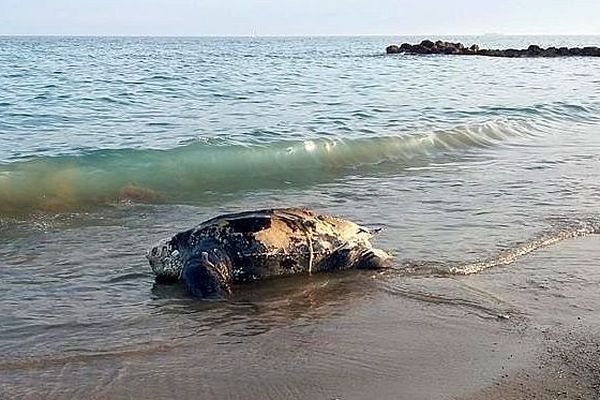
(489, 34)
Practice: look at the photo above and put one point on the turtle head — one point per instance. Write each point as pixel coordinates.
(165, 261)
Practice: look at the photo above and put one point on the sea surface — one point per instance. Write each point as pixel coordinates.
(110, 144)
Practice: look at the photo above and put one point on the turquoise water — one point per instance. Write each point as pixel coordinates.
(109, 144)
(88, 121)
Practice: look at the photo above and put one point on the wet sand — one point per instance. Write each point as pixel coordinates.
(568, 367)
(563, 321)
(524, 331)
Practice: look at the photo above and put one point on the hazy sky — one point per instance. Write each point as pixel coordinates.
(298, 17)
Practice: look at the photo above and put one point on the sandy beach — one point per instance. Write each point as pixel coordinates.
(493, 335)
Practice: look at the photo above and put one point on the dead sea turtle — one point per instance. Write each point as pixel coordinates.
(261, 244)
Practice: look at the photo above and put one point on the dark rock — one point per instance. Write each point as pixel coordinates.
(512, 53)
(451, 50)
(575, 51)
(591, 51)
(427, 44)
(406, 47)
(534, 50)
(392, 49)
(550, 52)
(563, 51)
(474, 48)
(428, 50)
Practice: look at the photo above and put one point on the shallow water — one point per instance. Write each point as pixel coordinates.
(109, 144)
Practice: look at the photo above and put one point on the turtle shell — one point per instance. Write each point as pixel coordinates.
(276, 242)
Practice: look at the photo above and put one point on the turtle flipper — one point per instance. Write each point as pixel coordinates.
(354, 256)
(207, 277)
(371, 258)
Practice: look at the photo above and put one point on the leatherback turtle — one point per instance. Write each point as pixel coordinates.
(262, 244)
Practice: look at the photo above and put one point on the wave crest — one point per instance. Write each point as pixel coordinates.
(188, 172)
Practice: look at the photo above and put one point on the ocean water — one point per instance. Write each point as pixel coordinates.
(109, 144)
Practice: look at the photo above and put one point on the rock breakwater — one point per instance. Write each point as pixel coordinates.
(441, 47)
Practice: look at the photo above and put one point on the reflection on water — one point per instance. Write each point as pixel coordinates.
(259, 307)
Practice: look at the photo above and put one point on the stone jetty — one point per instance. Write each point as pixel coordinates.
(440, 47)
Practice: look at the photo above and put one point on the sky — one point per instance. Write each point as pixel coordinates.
(297, 17)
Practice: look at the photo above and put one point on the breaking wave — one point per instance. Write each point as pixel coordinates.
(188, 172)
